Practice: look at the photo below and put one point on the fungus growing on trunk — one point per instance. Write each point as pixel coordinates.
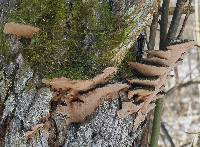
(182, 46)
(127, 109)
(145, 81)
(138, 93)
(148, 70)
(160, 54)
(20, 30)
(157, 60)
(74, 87)
(142, 116)
(78, 111)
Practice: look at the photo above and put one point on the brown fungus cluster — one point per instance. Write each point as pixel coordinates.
(152, 74)
(76, 100)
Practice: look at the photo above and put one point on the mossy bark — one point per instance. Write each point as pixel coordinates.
(64, 48)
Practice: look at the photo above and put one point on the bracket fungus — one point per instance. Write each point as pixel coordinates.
(148, 70)
(78, 99)
(138, 93)
(160, 54)
(185, 46)
(78, 111)
(146, 81)
(20, 30)
(74, 87)
(127, 109)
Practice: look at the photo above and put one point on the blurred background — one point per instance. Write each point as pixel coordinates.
(181, 116)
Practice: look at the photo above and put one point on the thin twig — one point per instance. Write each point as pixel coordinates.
(171, 90)
(186, 18)
(169, 138)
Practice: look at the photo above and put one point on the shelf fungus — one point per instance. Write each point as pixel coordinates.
(159, 54)
(184, 46)
(152, 82)
(74, 87)
(127, 109)
(78, 111)
(76, 100)
(148, 70)
(20, 30)
(138, 93)
(157, 60)
(141, 116)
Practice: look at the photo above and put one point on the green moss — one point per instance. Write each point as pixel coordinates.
(4, 47)
(124, 69)
(76, 42)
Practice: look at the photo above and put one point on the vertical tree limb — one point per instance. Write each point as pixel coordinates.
(176, 19)
(153, 29)
(186, 18)
(164, 23)
(159, 103)
(156, 123)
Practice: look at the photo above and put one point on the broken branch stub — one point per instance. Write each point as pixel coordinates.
(20, 30)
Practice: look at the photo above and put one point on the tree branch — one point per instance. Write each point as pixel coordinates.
(164, 23)
(169, 138)
(180, 86)
(176, 19)
(153, 29)
(186, 18)
(159, 103)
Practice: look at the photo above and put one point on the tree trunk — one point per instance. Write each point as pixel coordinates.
(25, 102)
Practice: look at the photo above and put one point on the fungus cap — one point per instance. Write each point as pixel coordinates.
(148, 70)
(20, 30)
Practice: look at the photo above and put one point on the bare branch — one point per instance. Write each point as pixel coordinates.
(153, 29)
(163, 23)
(169, 138)
(186, 18)
(176, 19)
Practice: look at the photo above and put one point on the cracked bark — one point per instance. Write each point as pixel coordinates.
(25, 103)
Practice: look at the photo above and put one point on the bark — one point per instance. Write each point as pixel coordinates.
(26, 102)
